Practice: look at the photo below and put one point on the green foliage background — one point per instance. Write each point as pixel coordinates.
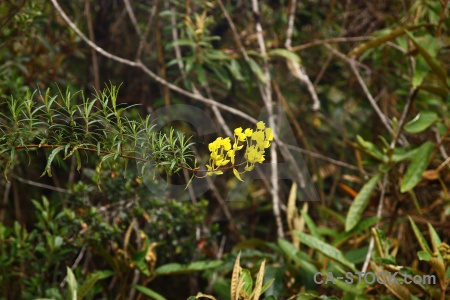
(376, 149)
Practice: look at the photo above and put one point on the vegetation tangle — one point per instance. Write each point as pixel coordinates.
(326, 157)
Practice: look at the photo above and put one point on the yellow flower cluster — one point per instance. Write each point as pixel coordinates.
(255, 141)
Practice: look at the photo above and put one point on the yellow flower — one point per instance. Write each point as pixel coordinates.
(226, 143)
(212, 146)
(252, 154)
(231, 154)
(260, 125)
(223, 153)
(249, 167)
(261, 158)
(242, 137)
(269, 134)
(258, 137)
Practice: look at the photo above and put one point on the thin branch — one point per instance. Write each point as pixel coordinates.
(266, 92)
(379, 211)
(411, 97)
(132, 16)
(441, 147)
(147, 30)
(95, 69)
(331, 41)
(41, 185)
(442, 17)
(372, 101)
(326, 158)
(296, 69)
(290, 29)
(5, 200)
(176, 47)
(234, 31)
(352, 64)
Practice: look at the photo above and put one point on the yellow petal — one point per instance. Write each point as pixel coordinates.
(248, 132)
(260, 125)
(226, 143)
(249, 167)
(236, 173)
(258, 136)
(269, 134)
(242, 137)
(238, 131)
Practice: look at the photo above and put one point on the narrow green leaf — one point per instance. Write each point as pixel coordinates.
(236, 173)
(422, 121)
(360, 203)
(247, 280)
(91, 281)
(235, 70)
(148, 292)
(310, 223)
(286, 54)
(421, 71)
(437, 90)
(257, 70)
(423, 255)
(139, 260)
(382, 39)
(78, 159)
(371, 149)
(71, 285)
(403, 154)
(50, 159)
(364, 224)
(326, 249)
(437, 69)
(418, 165)
(435, 239)
(267, 285)
(422, 242)
(222, 75)
(174, 268)
(293, 253)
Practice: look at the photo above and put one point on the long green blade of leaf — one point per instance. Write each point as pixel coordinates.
(437, 69)
(91, 281)
(294, 254)
(71, 284)
(422, 242)
(421, 122)
(418, 165)
(148, 292)
(326, 249)
(50, 159)
(360, 203)
(382, 39)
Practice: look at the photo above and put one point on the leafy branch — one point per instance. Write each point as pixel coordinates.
(102, 127)
(97, 125)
